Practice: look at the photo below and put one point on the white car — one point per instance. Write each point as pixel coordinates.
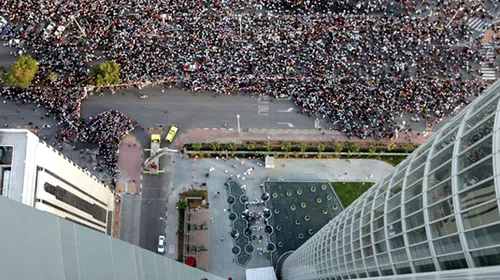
(49, 28)
(60, 29)
(161, 244)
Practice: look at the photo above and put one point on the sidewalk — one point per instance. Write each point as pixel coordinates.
(225, 136)
(130, 158)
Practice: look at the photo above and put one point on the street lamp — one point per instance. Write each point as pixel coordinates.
(239, 129)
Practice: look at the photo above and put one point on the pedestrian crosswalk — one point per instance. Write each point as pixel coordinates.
(488, 70)
(477, 24)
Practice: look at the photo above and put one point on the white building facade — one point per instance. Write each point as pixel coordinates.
(38, 175)
(437, 211)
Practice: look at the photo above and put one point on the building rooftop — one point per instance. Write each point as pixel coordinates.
(17, 140)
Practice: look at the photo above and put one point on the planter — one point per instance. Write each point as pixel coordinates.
(329, 196)
(310, 231)
(235, 250)
(244, 198)
(268, 229)
(301, 236)
(248, 232)
(249, 248)
(335, 206)
(234, 233)
(276, 211)
(270, 247)
(264, 196)
(231, 200)
(307, 218)
(299, 191)
(288, 193)
(267, 213)
(280, 244)
(303, 205)
(325, 211)
(275, 195)
(278, 228)
(232, 216)
(297, 222)
(319, 200)
(313, 189)
(323, 187)
(293, 207)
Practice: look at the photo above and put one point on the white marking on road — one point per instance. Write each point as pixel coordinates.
(317, 124)
(287, 123)
(283, 99)
(171, 249)
(286, 111)
(231, 129)
(214, 128)
(263, 106)
(206, 128)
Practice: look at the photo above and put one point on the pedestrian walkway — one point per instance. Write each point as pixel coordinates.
(488, 69)
(477, 24)
(130, 158)
(207, 136)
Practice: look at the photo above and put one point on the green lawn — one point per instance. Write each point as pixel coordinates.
(350, 191)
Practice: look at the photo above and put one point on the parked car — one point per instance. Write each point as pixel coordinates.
(161, 244)
(60, 29)
(49, 28)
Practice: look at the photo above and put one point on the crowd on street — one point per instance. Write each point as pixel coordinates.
(359, 64)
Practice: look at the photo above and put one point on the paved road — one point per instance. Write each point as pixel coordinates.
(188, 111)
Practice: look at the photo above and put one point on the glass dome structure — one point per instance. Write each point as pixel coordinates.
(438, 210)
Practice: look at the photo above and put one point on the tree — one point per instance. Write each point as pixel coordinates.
(108, 73)
(181, 205)
(22, 73)
(338, 148)
(269, 146)
(372, 151)
(196, 146)
(391, 146)
(215, 145)
(321, 148)
(355, 148)
(250, 146)
(232, 147)
(286, 146)
(408, 147)
(303, 148)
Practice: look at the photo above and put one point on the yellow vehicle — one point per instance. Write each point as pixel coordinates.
(171, 133)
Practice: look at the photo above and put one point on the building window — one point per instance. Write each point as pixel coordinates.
(486, 257)
(452, 262)
(483, 237)
(424, 266)
(481, 216)
(447, 245)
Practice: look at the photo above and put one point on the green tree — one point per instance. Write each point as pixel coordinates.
(286, 146)
(303, 148)
(355, 148)
(215, 145)
(338, 148)
(196, 146)
(107, 73)
(22, 73)
(321, 148)
(269, 146)
(232, 147)
(181, 205)
(372, 151)
(391, 146)
(408, 147)
(250, 146)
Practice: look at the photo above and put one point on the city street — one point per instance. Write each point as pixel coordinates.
(184, 109)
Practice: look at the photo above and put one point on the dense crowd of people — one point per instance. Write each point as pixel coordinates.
(359, 64)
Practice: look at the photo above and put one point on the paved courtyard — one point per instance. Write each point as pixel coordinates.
(189, 173)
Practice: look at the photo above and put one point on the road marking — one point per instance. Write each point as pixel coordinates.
(230, 129)
(286, 111)
(283, 99)
(263, 106)
(171, 249)
(316, 124)
(206, 128)
(287, 123)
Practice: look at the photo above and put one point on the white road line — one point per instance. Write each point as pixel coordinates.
(289, 124)
(231, 129)
(286, 111)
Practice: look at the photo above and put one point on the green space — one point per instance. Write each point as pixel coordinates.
(348, 192)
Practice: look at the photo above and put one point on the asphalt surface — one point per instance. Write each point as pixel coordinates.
(187, 111)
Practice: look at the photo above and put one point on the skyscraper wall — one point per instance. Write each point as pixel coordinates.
(38, 245)
(437, 211)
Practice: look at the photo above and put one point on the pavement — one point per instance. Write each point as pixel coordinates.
(189, 173)
(130, 159)
(225, 136)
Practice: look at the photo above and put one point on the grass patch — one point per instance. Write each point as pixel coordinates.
(348, 192)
